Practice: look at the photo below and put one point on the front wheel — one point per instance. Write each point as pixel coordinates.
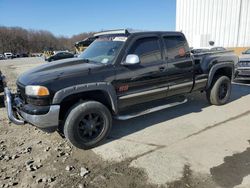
(220, 91)
(87, 124)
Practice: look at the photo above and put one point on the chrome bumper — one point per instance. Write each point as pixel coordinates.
(8, 103)
(45, 121)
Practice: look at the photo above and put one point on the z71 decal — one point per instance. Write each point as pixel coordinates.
(123, 88)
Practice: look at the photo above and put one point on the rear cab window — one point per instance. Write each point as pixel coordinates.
(176, 47)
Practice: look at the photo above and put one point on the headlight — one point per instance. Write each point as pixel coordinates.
(39, 91)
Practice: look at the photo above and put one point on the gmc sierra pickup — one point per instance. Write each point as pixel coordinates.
(121, 75)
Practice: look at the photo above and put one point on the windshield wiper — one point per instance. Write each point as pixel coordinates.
(88, 61)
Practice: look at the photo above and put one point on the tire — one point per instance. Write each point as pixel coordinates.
(87, 124)
(220, 91)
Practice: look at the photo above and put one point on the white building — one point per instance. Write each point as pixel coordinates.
(226, 22)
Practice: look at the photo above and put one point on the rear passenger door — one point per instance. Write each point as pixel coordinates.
(179, 64)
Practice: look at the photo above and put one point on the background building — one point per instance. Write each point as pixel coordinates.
(226, 22)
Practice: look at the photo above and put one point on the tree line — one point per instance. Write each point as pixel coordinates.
(19, 40)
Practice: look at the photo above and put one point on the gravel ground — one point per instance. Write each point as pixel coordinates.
(193, 145)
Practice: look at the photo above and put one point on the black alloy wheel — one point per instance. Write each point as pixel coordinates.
(90, 126)
(87, 124)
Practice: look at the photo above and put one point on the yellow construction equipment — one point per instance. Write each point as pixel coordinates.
(80, 46)
(47, 53)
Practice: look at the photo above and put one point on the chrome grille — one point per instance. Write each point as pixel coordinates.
(21, 91)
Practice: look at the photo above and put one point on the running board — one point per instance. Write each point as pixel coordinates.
(148, 111)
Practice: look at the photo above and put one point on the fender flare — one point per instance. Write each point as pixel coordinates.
(217, 67)
(100, 86)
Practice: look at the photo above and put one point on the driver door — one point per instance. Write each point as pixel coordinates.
(140, 83)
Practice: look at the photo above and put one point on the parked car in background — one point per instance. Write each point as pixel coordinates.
(60, 55)
(2, 57)
(36, 55)
(8, 55)
(243, 66)
(23, 55)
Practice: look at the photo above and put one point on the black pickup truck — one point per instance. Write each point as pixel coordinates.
(121, 75)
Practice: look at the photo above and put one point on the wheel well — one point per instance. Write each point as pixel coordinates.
(96, 95)
(224, 71)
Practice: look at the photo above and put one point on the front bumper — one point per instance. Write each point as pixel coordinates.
(47, 122)
(242, 73)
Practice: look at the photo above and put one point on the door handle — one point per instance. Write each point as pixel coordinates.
(162, 68)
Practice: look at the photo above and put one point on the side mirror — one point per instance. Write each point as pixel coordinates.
(132, 59)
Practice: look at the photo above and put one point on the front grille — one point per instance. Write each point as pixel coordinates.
(244, 64)
(21, 91)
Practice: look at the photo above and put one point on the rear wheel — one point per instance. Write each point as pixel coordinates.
(220, 91)
(87, 124)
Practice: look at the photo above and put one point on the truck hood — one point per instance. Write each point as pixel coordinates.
(56, 70)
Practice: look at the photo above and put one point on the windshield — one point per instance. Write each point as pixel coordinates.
(104, 50)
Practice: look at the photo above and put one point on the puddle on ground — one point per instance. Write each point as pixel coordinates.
(233, 170)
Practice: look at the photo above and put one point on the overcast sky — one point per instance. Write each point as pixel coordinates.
(69, 17)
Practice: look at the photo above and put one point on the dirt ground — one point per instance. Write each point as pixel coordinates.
(32, 158)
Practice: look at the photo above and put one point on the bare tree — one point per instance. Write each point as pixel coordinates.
(19, 40)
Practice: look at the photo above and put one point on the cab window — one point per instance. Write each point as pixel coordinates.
(148, 50)
(176, 47)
